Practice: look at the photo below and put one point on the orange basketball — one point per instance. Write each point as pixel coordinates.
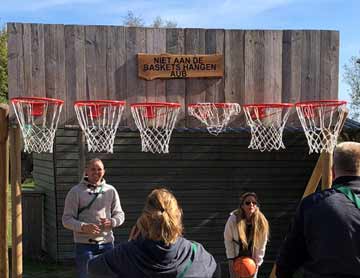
(245, 267)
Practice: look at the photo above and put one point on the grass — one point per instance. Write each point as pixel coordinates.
(44, 269)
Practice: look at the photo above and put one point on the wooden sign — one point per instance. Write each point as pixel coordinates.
(152, 66)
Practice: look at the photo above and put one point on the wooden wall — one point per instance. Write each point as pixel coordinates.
(206, 173)
(32, 220)
(74, 62)
(44, 176)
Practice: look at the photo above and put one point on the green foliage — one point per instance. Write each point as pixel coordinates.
(352, 78)
(3, 66)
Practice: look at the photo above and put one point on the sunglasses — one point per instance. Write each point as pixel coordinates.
(248, 203)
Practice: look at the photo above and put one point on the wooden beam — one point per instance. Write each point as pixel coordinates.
(4, 180)
(315, 177)
(326, 179)
(16, 208)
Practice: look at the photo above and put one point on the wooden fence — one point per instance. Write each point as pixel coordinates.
(74, 62)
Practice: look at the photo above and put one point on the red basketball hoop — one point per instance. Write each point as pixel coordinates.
(155, 121)
(322, 122)
(38, 118)
(215, 116)
(99, 120)
(267, 122)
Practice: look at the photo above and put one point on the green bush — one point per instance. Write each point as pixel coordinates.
(3, 66)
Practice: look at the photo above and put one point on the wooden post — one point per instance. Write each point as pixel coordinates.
(315, 177)
(4, 180)
(326, 179)
(82, 154)
(15, 160)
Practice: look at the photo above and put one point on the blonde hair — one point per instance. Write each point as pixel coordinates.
(347, 158)
(161, 219)
(260, 227)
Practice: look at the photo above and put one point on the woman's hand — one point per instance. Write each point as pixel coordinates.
(231, 270)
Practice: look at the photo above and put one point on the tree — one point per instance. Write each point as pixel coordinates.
(3, 66)
(132, 20)
(352, 78)
(159, 23)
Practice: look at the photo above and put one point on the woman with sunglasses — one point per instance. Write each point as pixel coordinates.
(246, 232)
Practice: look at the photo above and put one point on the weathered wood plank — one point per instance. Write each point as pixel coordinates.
(254, 66)
(37, 60)
(310, 66)
(75, 69)
(27, 59)
(95, 57)
(291, 71)
(175, 88)
(272, 67)
(155, 44)
(234, 84)
(329, 64)
(54, 40)
(16, 82)
(135, 43)
(195, 87)
(116, 65)
(214, 44)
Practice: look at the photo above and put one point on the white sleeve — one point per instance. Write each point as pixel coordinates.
(229, 235)
(117, 214)
(259, 253)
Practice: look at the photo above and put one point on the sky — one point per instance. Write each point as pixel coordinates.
(340, 15)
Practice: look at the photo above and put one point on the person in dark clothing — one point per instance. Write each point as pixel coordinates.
(324, 237)
(156, 247)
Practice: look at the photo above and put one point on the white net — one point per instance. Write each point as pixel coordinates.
(267, 122)
(215, 116)
(155, 122)
(322, 122)
(38, 119)
(99, 121)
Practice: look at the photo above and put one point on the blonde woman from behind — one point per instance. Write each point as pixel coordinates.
(156, 247)
(246, 232)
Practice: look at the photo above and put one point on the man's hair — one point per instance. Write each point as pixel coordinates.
(347, 159)
(161, 219)
(93, 160)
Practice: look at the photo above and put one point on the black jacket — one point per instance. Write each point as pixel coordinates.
(146, 258)
(325, 235)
